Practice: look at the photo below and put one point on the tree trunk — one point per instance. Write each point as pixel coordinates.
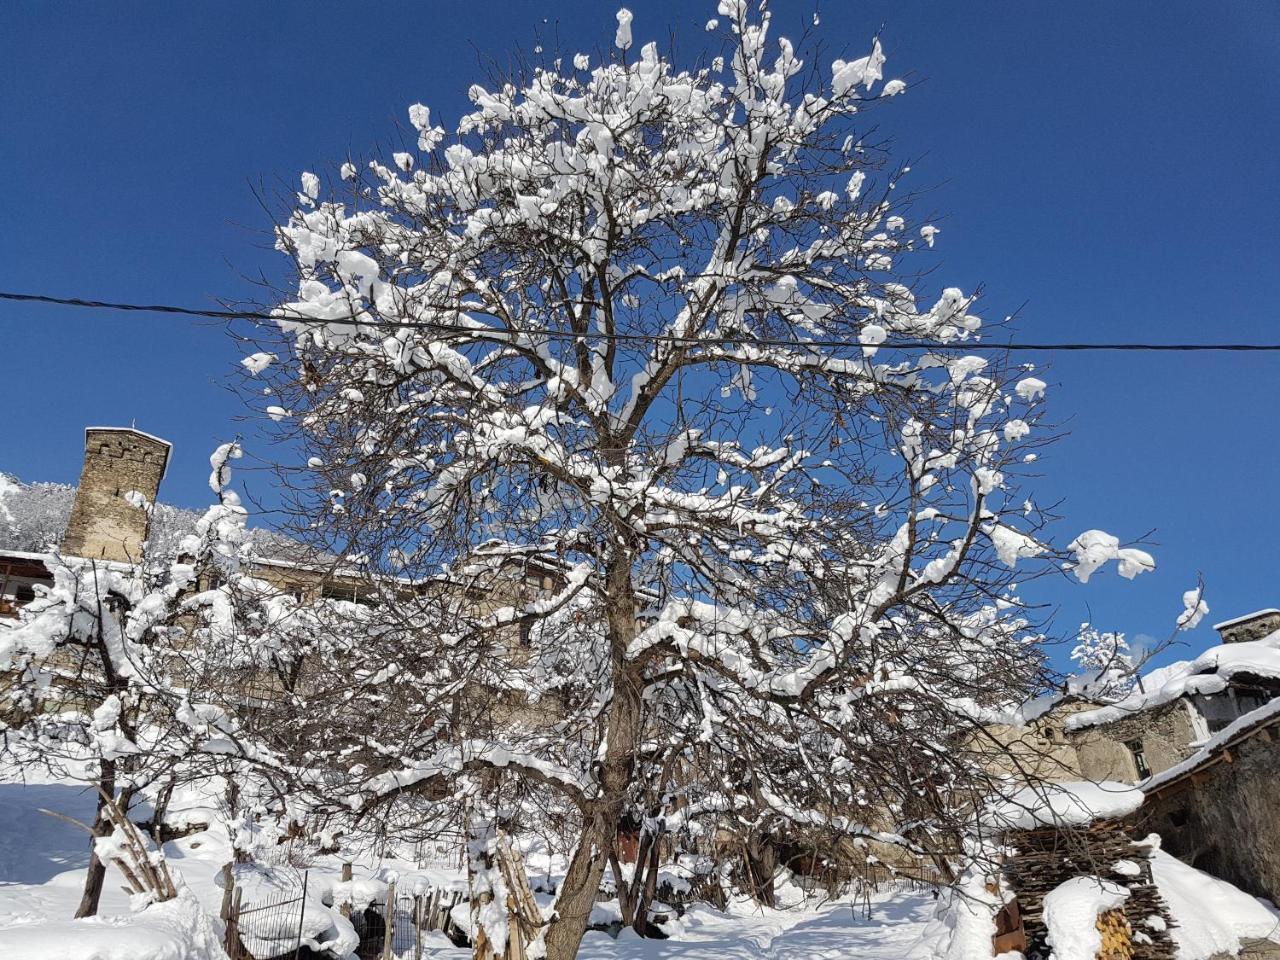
(650, 888)
(97, 873)
(578, 892)
(625, 899)
(760, 861)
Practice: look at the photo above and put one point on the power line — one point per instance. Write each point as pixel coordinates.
(498, 334)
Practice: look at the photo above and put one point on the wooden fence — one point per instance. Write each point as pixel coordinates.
(276, 920)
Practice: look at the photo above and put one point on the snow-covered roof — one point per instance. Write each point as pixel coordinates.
(23, 555)
(1068, 804)
(1208, 673)
(1236, 621)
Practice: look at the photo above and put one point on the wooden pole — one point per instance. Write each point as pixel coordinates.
(302, 914)
(417, 927)
(345, 909)
(389, 934)
(233, 928)
(228, 890)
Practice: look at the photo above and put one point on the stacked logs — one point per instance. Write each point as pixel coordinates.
(1117, 936)
(1044, 858)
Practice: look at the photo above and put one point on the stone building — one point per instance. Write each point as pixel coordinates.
(1200, 738)
(109, 521)
(1176, 709)
(121, 475)
(1217, 810)
(1251, 626)
(119, 478)
(1166, 718)
(1034, 744)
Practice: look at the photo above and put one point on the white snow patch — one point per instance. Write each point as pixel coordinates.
(1030, 388)
(622, 39)
(1212, 915)
(1071, 913)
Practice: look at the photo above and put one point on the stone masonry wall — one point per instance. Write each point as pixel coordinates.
(1225, 821)
(1165, 732)
(1039, 750)
(103, 524)
(1254, 628)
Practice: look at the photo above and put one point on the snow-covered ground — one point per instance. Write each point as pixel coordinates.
(43, 859)
(833, 931)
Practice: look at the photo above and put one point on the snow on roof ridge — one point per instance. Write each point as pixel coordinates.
(24, 554)
(49, 556)
(1208, 673)
(1248, 616)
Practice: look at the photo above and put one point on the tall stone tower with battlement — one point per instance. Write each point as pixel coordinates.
(118, 461)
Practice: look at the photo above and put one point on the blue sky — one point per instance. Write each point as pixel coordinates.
(1114, 165)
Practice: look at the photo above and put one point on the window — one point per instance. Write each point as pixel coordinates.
(1139, 759)
(347, 591)
(526, 633)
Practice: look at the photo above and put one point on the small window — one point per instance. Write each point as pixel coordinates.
(1139, 759)
(526, 633)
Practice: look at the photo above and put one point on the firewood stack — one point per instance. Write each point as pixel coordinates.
(1044, 858)
(1117, 936)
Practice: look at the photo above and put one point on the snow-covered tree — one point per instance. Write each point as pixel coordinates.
(1104, 658)
(33, 516)
(118, 674)
(678, 493)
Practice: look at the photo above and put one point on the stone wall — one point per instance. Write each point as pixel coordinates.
(103, 524)
(1041, 750)
(1225, 820)
(1250, 628)
(1165, 732)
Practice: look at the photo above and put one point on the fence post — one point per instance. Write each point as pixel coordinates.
(228, 891)
(345, 909)
(302, 913)
(235, 949)
(389, 935)
(417, 926)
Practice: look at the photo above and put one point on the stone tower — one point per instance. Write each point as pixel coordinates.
(104, 525)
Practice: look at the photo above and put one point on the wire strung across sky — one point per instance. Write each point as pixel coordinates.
(497, 333)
